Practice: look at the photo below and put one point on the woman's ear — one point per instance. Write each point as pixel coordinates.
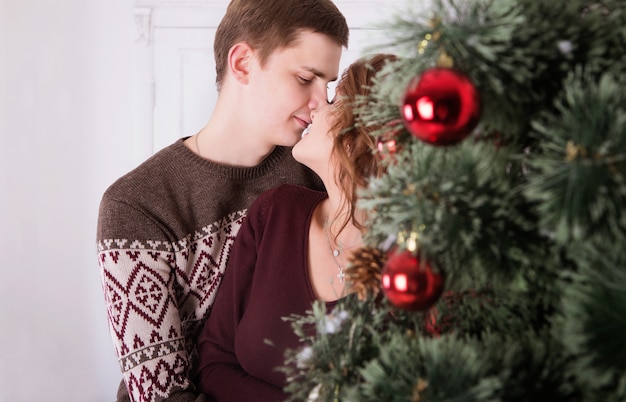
(239, 59)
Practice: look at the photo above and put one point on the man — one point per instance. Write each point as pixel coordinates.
(165, 229)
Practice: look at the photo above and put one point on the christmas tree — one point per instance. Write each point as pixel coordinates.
(495, 258)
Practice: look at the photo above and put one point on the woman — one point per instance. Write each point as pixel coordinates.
(291, 250)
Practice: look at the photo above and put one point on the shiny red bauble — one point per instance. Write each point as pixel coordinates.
(441, 106)
(410, 283)
(387, 144)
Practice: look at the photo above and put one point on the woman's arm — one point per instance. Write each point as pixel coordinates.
(220, 372)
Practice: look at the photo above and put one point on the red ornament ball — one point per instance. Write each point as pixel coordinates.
(387, 144)
(441, 106)
(431, 324)
(410, 283)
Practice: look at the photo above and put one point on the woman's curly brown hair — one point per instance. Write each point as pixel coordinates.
(354, 149)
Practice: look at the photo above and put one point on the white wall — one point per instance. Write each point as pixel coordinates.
(66, 133)
(65, 115)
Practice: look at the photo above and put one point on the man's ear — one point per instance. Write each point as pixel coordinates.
(239, 61)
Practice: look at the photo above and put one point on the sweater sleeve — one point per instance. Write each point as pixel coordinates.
(143, 316)
(220, 373)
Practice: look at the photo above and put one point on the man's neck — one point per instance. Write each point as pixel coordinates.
(229, 146)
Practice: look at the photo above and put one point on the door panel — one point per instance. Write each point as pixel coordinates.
(185, 92)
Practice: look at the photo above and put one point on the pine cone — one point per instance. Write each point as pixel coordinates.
(364, 271)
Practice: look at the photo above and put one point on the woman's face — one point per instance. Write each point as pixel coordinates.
(315, 148)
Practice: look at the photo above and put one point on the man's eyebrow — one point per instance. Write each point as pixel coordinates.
(318, 73)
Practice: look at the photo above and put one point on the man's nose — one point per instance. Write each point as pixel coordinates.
(319, 96)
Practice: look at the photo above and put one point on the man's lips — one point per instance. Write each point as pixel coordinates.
(303, 122)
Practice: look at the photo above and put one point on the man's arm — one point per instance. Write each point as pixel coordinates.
(139, 288)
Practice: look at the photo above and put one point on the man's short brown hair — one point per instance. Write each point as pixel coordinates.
(267, 25)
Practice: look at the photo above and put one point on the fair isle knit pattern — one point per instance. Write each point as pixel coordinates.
(134, 294)
(164, 234)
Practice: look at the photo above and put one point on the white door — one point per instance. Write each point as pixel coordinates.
(185, 92)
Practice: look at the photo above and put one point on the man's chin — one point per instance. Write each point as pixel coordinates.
(293, 140)
(305, 132)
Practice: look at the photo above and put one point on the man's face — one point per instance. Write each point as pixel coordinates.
(292, 83)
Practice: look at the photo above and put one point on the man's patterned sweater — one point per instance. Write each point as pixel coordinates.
(164, 233)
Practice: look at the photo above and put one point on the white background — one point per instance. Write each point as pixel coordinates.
(71, 116)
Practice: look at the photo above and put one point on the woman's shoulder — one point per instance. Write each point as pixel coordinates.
(284, 197)
(291, 191)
